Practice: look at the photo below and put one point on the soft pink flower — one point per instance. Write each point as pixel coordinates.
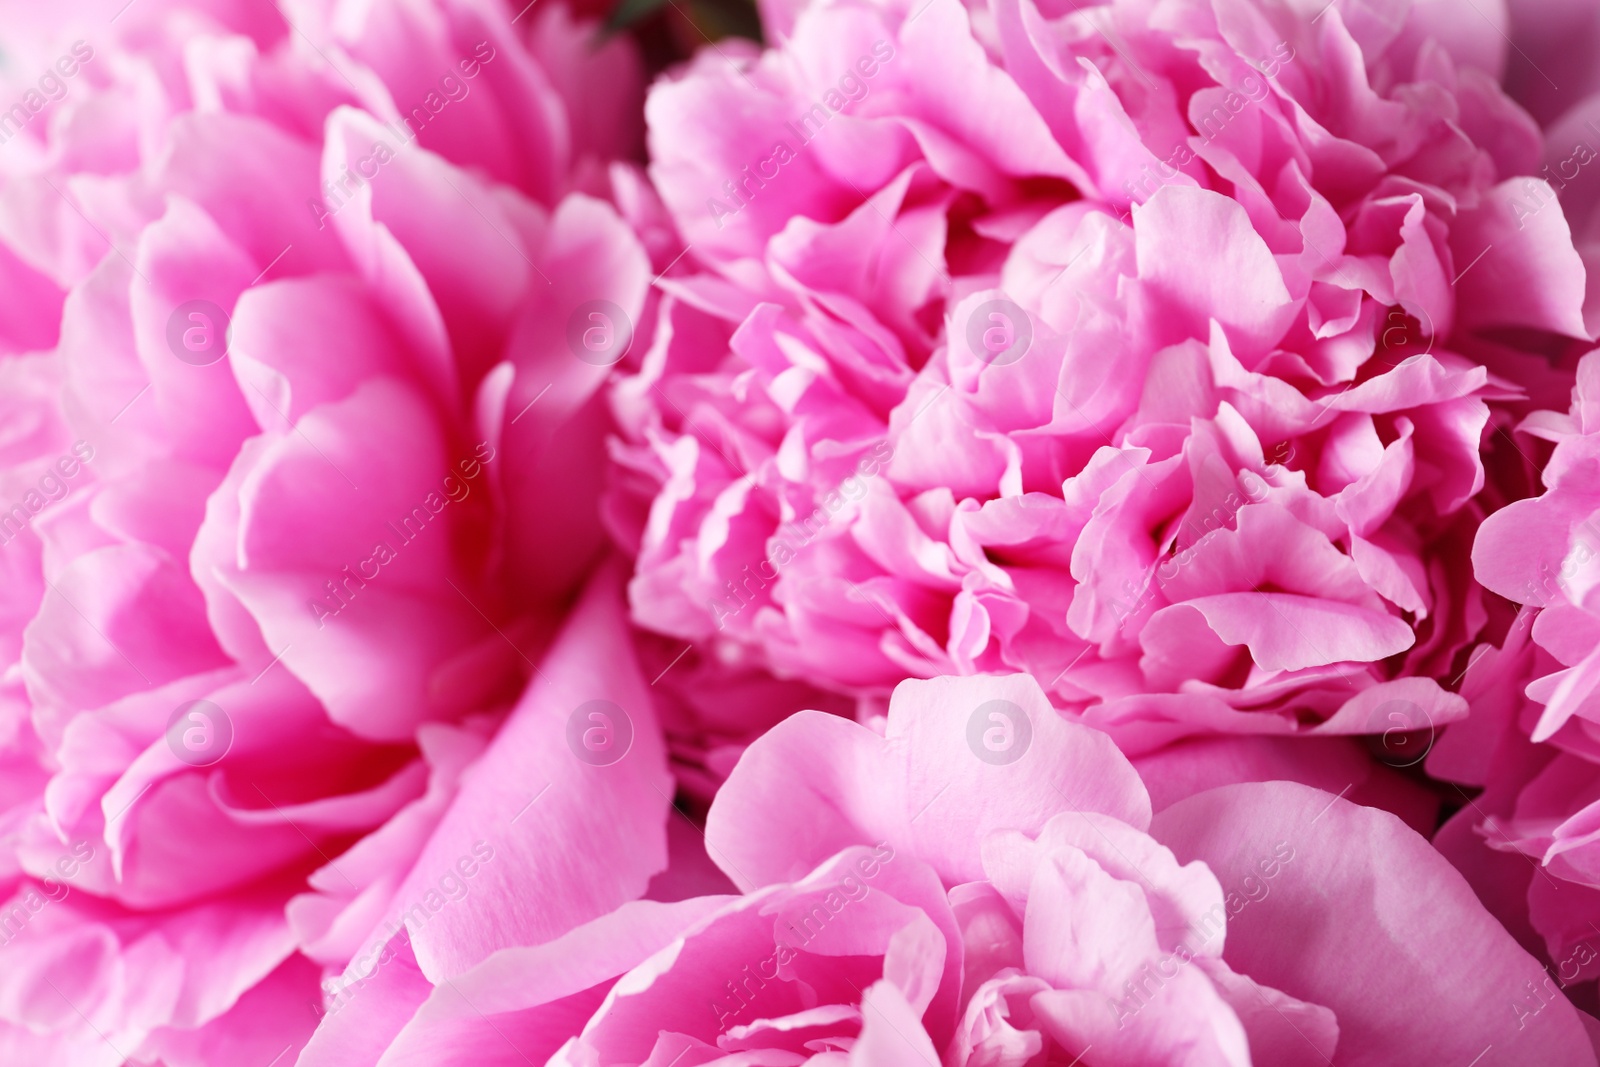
(1532, 742)
(1136, 347)
(289, 391)
(909, 898)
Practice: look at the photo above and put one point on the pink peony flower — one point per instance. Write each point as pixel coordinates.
(295, 362)
(1142, 348)
(911, 898)
(1532, 741)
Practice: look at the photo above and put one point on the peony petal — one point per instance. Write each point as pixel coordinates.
(556, 823)
(961, 757)
(1363, 917)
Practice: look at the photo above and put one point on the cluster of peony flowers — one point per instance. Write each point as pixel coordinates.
(1166, 388)
(987, 534)
(902, 903)
(278, 551)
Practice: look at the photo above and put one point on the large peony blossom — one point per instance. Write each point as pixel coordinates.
(909, 899)
(1143, 347)
(1532, 741)
(298, 472)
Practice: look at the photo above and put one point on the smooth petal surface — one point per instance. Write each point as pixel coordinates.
(1367, 919)
(960, 757)
(581, 837)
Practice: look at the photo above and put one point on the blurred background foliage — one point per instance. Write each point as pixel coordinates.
(670, 31)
